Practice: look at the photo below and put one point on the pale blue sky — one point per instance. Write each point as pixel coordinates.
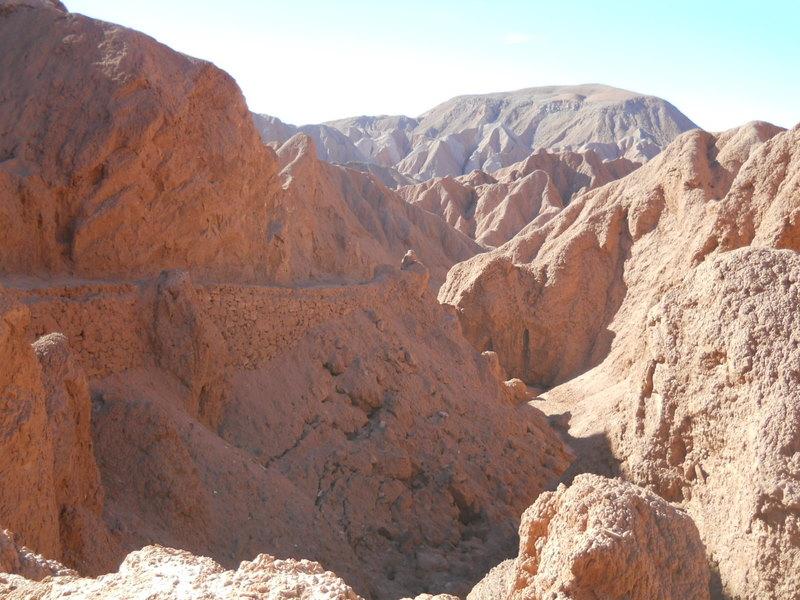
(722, 63)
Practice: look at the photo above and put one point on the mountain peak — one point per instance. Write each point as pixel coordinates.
(459, 135)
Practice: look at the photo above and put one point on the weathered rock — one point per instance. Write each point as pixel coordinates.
(517, 390)
(603, 538)
(190, 347)
(51, 493)
(359, 427)
(165, 573)
(493, 208)
(18, 560)
(338, 224)
(717, 424)
(85, 541)
(370, 434)
(120, 157)
(547, 301)
(497, 584)
(28, 501)
(347, 423)
(674, 345)
(344, 417)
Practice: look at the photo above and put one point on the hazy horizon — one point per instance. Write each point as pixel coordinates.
(722, 64)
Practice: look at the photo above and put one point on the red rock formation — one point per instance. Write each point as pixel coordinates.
(672, 341)
(602, 538)
(190, 347)
(121, 157)
(28, 496)
(545, 301)
(85, 542)
(337, 423)
(348, 432)
(347, 419)
(715, 424)
(51, 494)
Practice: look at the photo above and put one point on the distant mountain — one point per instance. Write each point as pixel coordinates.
(491, 131)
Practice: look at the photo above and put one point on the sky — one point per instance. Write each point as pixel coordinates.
(722, 63)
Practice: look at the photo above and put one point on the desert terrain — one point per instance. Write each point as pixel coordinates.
(540, 345)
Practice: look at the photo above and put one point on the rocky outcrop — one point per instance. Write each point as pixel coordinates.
(388, 176)
(602, 538)
(545, 302)
(171, 574)
(383, 141)
(51, 494)
(761, 208)
(492, 209)
(261, 375)
(497, 584)
(120, 157)
(85, 540)
(717, 422)
(16, 559)
(187, 345)
(659, 305)
(28, 501)
(243, 368)
(492, 131)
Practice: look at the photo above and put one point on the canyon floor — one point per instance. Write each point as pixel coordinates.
(541, 344)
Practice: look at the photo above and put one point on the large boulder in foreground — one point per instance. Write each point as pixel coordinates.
(168, 574)
(602, 538)
(714, 414)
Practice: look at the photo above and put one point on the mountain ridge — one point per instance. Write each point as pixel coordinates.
(492, 131)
